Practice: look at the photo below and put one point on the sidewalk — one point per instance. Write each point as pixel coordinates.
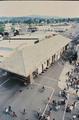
(63, 76)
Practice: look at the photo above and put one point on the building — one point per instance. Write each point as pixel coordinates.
(28, 61)
(8, 27)
(61, 27)
(44, 28)
(54, 27)
(22, 28)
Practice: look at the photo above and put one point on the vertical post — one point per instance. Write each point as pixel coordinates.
(31, 78)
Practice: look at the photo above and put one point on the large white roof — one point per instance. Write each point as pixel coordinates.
(25, 59)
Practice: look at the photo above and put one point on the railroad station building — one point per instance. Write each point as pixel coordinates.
(29, 56)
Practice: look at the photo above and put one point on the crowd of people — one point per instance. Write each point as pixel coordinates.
(73, 82)
(8, 110)
(73, 78)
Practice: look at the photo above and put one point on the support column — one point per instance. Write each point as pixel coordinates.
(31, 79)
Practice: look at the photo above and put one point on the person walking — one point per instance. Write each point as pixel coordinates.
(14, 114)
(9, 108)
(67, 86)
(76, 91)
(74, 104)
(24, 111)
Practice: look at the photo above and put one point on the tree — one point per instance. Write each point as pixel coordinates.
(1, 28)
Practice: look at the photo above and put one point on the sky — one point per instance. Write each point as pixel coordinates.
(44, 8)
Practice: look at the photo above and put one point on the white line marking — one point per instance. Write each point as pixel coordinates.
(4, 82)
(48, 103)
(65, 109)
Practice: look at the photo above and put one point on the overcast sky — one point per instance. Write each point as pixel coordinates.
(47, 8)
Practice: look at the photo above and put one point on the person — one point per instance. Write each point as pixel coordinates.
(48, 117)
(20, 90)
(68, 109)
(76, 91)
(77, 115)
(63, 102)
(74, 104)
(64, 92)
(6, 110)
(38, 114)
(14, 114)
(54, 102)
(67, 96)
(74, 117)
(9, 109)
(24, 111)
(48, 98)
(71, 107)
(43, 88)
(64, 89)
(67, 86)
(40, 110)
(60, 93)
(68, 73)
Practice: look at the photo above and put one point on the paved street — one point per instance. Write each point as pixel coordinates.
(32, 98)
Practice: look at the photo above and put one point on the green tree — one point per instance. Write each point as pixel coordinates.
(1, 28)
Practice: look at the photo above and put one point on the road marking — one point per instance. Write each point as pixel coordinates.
(48, 103)
(4, 82)
(65, 108)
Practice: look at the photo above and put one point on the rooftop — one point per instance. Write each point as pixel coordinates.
(34, 35)
(30, 55)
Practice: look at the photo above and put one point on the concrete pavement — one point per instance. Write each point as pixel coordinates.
(31, 98)
(63, 77)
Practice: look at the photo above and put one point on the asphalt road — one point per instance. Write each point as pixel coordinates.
(30, 98)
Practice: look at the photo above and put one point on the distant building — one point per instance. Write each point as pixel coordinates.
(32, 29)
(22, 28)
(61, 27)
(54, 27)
(44, 28)
(8, 27)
